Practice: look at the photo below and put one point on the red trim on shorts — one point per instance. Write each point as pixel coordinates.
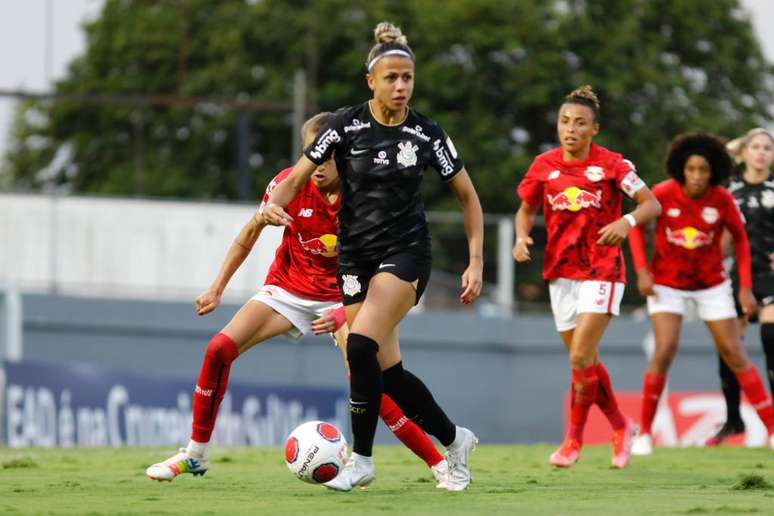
(610, 301)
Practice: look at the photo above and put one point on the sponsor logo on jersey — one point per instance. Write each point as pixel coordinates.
(416, 131)
(407, 154)
(351, 286)
(689, 237)
(673, 212)
(381, 159)
(574, 199)
(594, 173)
(323, 142)
(554, 174)
(324, 245)
(767, 199)
(444, 161)
(357, 125)
(709, 214)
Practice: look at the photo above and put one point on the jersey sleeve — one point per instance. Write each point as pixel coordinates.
(329, 139)
(627, 179)
(735, 226)
(530, 189)
(271, 186)
(444, 156)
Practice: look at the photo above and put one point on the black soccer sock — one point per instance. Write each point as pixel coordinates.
(767, 340)
(417, 402)
(365, 391)
(731, 392)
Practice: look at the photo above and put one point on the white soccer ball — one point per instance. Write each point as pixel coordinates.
(316, 452)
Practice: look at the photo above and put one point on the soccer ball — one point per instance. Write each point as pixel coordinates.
(315, 452)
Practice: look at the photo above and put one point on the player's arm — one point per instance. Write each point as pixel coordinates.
(274, 212)
(473, 217)
(639, 257)
(735, 226)
(648, 208)
(523, 223)
(239, 250)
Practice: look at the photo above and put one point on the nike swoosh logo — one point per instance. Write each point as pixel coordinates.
(356, 152)
(358, 402)
(383, 265)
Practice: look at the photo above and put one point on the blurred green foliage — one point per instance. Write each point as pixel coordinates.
(491, 72)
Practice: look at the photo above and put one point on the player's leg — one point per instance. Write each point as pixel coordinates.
(666, 333)
(253, 323)
(732, 395)
(766, 320)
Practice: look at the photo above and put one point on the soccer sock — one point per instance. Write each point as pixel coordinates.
(731, 392)
(408, 432)
(414, 398)
(585, 384)
(365, 391)
(752, 386)
(767, 340)
(211, 386)
(652, 387)
(606, 399)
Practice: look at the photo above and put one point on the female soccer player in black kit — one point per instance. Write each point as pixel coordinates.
(754, 194)
(382, 148)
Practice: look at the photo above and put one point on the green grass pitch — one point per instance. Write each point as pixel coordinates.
(506, 480)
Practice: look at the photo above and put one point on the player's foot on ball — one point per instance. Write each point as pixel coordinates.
(441, 473)
(622, 444)
(358, 471)
(178, 464)
(642, 445)
(457, 455)
(729, 429)
(567, 454)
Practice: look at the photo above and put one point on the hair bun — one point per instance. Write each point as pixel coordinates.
(386, 32)
(585, 92)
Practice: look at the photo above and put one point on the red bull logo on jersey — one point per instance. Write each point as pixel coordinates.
(324, 245)
(689, 237)
(574, 199)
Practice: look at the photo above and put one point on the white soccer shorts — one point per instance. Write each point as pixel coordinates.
(712, 304)
(572, 297)
(298, 310)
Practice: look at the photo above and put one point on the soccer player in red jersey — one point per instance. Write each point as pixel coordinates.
(579, 185)
(687, 268)
(300, 293)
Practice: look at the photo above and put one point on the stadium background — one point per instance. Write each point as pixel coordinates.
(125, 180)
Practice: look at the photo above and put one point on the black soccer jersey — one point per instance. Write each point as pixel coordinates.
(756, 202)
(381, 168)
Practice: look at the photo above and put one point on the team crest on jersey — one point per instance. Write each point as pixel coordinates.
(595, 173)
(709, 214)
(767, 199)
(673, 212)
(351, 286)
(553, 175)
(407, 154)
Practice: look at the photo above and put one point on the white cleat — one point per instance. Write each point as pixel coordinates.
(178, 464)
(441, 473)
(457, 455)
(642, 445)
(358, 471)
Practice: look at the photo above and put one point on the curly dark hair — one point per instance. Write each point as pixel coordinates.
(712, 148)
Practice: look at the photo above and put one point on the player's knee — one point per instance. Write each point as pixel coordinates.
(222, 348)
(361, 351)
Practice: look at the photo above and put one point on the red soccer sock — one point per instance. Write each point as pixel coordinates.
(584, 385)
(211, 386)
(752, 386)
(606, 399)
(408, 432)
(652, 387)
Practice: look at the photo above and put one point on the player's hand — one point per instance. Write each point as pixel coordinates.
(329, 322)
(207, 302)
(748, 302)
(276, 215)
(645, 283)
(521, 249)
(614, 233)
(472, 280)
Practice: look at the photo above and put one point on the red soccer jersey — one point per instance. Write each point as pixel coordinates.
(305, 262)
(688, 253)
(579, 198)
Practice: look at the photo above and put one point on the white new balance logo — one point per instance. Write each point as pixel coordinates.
(203, 392)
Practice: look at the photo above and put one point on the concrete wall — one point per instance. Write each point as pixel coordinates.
(504, 378)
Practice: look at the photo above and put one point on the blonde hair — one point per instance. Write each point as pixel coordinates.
(312, 126)
(585, 96)
(388, 38)
(737, 145)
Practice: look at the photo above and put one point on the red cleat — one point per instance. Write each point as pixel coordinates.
(729, 429)
(622, 444)
(567, 454)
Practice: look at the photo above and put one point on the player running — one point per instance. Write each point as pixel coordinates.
(687, 268)
(300, 293)
(754, 194)
(579, 185)
(382, 149)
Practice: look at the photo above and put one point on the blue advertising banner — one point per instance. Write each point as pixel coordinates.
(84, 405)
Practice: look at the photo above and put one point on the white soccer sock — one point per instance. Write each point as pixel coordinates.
(458, 437)
(197, 449)
(362, 459)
